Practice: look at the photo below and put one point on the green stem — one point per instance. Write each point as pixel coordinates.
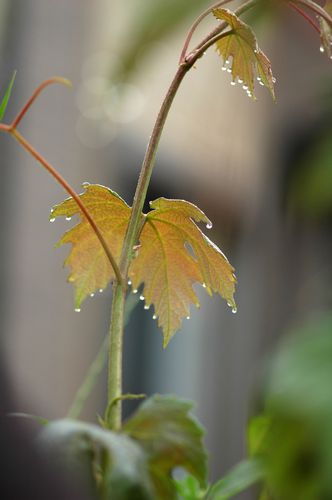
(97, 366)
(135, 223)
(115, 357)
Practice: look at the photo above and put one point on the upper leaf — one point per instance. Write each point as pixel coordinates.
(90, 267)
(6, 97)
(168, 269)
(173, 255)
(248, 61)
(171, 438)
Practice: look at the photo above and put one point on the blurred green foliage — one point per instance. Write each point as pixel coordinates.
(293, 437)
(311, 189)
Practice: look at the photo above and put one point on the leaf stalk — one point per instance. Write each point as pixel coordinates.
(12, 130)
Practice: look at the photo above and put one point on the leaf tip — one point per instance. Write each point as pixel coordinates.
(6, 97)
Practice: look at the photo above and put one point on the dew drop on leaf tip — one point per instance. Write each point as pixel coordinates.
(68, 218)
(224, 68)
(321, 48)
(233, 83)
(234, 310)
(53, 219)
(77, 309)
(141, 297)
(203, 285)
(209, 225)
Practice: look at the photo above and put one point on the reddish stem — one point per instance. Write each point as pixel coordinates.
(39, 89)
(12, 130)
(16, 134)
(194, 26)
(305, 15)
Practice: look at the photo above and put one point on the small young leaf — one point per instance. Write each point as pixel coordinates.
(6, 97)
(248, 61)
(167, 268)
(241, 477)
(90, 267)
(171, 438)
(326, 30)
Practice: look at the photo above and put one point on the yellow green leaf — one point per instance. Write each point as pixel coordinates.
(249, 63)
(90, 267)
(174, 255)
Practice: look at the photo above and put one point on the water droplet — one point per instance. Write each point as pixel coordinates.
(203, 285)
(77, 310)
(146, 307)
(321, 48)
(141, 297)
(154, 316)
(245, 87)
(101, 290)
(233, 83)
(92, 294)
(135, 290)
(259, 79)
(274, 79)
(188, 317)
(129, 282)
(227, 61)
(234, 310)
(53, 219)
(261, 83)
(85, 184)
(255, 50)
(68, 218)
(52, 210)
(240, 81)
(223, 68)
(229, 70)
(209, 225)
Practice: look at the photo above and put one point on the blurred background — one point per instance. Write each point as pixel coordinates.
(262, 172)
